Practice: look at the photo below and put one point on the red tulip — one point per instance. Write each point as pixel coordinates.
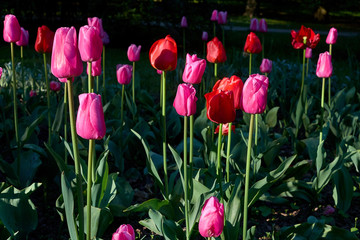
(163, 54)
(215, 51)
(55, 86)
(225, 129)
(12, 30)
(254, 95)
(233, 84)
(194, 69)
(44, 40)
(312, 39)
(266, 66)
(332, 36)
(211, 221)
(95, 68)
(185, 100)
(24, 38)
(324, 66)
(90, 44)
(124, 73)
(124, 232)
(220, 106)
(252, 44)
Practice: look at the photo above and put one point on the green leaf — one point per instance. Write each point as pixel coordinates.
(325, 175)
(100, 220)
(343, 189)
(30, 129)
(59, 160)
(154, 203)
(169, 229)
(179, 164)
(320, 157)
(271, 117)
(123, 198)
(69, 206)
(57, 123)
(250, 234)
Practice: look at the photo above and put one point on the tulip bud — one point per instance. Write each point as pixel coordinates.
(24, 38)
(252, 44)
(44, 40)
(211, 221)
(124, 232)
(234, 84)
(55, 86)
(194, 69)
(266, 66)
(220, 106)
(214, 16)
(97, 23)
(124, 73)
(254, 25)
(324, 66)
(163, 54)
(263, 25)
(332, 36)
(308, 52)
(133, 53)
(90, 44)
(95, 68)
(204, 36)
(184, 23)
(254, 95)
(105, 39)
(215, 51)
(12, 30)
(185, 100)
(222, 17)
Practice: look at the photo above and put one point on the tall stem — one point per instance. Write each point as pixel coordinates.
(228, 154)
(303, 69)
(47, 98)
(103, 68)
(191, 144)
(250, 59)
(223, 36)
(22, 69)
(121, 127)
(90, 79)
(14, 95)
(65, 119)
(163, 116)
(218, 169)
(89, 184)
(97, 84)
(322, 108)
(307, 67)
(186, 180)
(247, 176)
(215, 71)
(256, 132)
(76, 158)
(161, 89)
(184, 42)
(214, 29)
(329, 85)
(133, 83)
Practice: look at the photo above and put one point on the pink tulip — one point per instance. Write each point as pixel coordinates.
(185, 100)
(124, 232)
(24, 38)
(308, 52)
(32, 93)
(324, 66)
(124, 73)
(194, 69)
(64, 80)
(222, 17)
(332, 36)
(65, 58)
(328, 210)
(214, 16)
(90, 122)
(225, 129)
(97, 23)
(1, 72)
(204, 36)
(12, 30)
(133, 53)
(55, 86)
(211, 221)
(159, 71)
(184, 23)
(254, 95)
(90, 44)
(263, 25)
(95, 68)
(254, 25)
(105, 39)
(266, 66)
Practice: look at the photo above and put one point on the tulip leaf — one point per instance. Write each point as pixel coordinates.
(100, 220)
(69, 206)
(57, 122)
(153, 203)
(30, 129)
(169, 229)
(343, 189)
(123, 198)
(271, 117)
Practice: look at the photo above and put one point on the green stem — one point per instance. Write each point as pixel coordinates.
(256, 132)
(103, 68)
(263, 45)
(90, 79)
(228, 154)
(204, 49)
(121, 128)
(191, 144)
(161, 89)
(184, 42)
(214, 29)
(218, 169)
(223, 36)
(122, 105)
(14, 95)
(89, 184)
(97, 84)
(303, 69)
(307, 67)
(250, 59)
(329, 81)
(163, 115)
(133, 83)
(186, 180)
(47, 98)
(247, 176)
(65, 120)
(22, 69)
(215, 71)
(76, 158)
(322, 108)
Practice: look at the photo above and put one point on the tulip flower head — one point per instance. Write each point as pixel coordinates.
(97, 23)
(204, 36)
(32, 93)
(55, 86)
(24, 38)
(90, 44)
(328, 210)
(220, 106)
(194, 69)
(312, 39)
(124, 232)
(124, 73)
(254, 95)
(1, 70)
(215, 51)
(254, 25)
(44, 40)
(90, 122)
(266, 66)
(163, 54)
(95, 68)
(184, 23)
(324, 66)
(252, 44)
(185, 100)
(133, 53)
(222, 17)
(308, 52)
(214, 16)
(332, 36)
(211, 221)
(234, 84)
(12, 30)
(263, 25)
(225, 129)
(105, 39)
(65, 58)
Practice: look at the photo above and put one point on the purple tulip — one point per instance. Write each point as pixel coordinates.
(95, 68)
(328, 210)
(124, 73)
(124, 232)
(266, 66)
(324, 66)
(332, 36)
(133, 53)
(214, 16)
(254, 95)
(185, 100)
(211, 221)
(90, 122)
(184, 23)
(105, 39)
(55, 86)
(90, 44)
(65, 58)
(308, 52)
(254, 25)
(194, 69)
(24, 38)
(204, 36)
(222, 17)
(97, 23)
(263, 25)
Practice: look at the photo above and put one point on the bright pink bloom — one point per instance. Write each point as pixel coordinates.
(222, 17)
(214, 16)
(254, 25)
(254, 95)
(185, 100)
(225, 129)
(194, 69)
(184, 23)
(12, 30)
(263, 25)
(124, 73)
(234, 84)
(90, 44)
(266, 66)
(90, 122)
(64, 80)
(55, 86)
(24, 38)
(124, 232)
(105, 39)
(65, 58)
(215, 51)
(95, 68)
(211, 221)
(324, 66)
(204, 36)
(332, 36)
(1, 71)
(308, 52)
(328, 210)
(32, 93)
(133, 53)
(97, 23)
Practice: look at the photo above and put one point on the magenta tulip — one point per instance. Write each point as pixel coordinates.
(263, 25)
(32, 93)
(332, 36)
(214, 16)
(1, 70)
(24, 38)
(65, 58)
(95, 68)
(184, 23)
(266, 66)
(324, 66)
(254, 25)
(90, 44)
(12, 30)
(211, 221)
(308, 52)
(222, 17)
(194, 69)
(105, 39)
(185, 100)
(97, 23)
(90, 122)
(124, 232)
(205, 36)
(124, 73)
(254, 95)
(55, 86)
(133, 53)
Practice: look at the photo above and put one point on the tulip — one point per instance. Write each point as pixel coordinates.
(252, 44)
(163, 54)
(105, 39)
(97, 23)
(184, 23)
(324, 67)
(254, 95)
(133, 53)
(123, 73)
(332, 36)
(32, 93)
(44, 40)
(1, 70)
(124, 232)
(211, 221)
(95, 68)
(24, 38)
(220, 106)
(194, 69)
(214, 16)
(12, 30)
(222, 17)
(266, 66)
(90, 44)
(55, 86)
(225, 129)
(311, 41)
(328, 210)
(234, 84)
(204, 36)
(90, 123)
(185, 100)
(215, 51)
(308, 52)
(254, 25)
(263, 25)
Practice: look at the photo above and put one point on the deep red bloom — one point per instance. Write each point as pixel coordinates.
(234, 84)
(44, 40)
(312, 39)
(252, 44)
(215, 51)
(220, 106)
(163, 54)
